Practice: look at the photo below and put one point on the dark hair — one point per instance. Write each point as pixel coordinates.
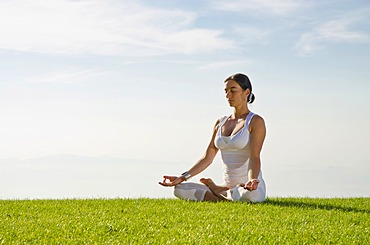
(244, 83)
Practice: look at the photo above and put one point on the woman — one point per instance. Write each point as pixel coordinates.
(239, 137)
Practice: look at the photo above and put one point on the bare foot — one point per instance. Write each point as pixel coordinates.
(216, 190)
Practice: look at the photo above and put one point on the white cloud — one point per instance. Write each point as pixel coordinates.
(66, 76)
(280, 7)
(223, 64)
(102, 27)
(333, 31)
(251, 34)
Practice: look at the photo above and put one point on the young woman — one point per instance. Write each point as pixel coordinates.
(239, 137)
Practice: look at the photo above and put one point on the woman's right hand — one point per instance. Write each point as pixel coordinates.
(171, 180)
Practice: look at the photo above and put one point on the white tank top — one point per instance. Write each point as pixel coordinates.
(235, 153)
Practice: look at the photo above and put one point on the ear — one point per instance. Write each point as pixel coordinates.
(247, 92)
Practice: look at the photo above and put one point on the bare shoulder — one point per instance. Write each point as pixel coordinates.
(257, 122)
(217, 124)
(257, 119)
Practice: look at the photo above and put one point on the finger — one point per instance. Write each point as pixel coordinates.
(248, 186)
(253, 186)
(173, 178)
(170, 178)
(165, 184)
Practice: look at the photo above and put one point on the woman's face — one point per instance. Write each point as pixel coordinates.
(235, 95)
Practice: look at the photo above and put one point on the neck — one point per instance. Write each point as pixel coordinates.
(240, 113)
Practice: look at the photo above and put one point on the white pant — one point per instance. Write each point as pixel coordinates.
(196, 192)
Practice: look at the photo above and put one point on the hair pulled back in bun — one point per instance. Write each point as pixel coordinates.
(244, 83)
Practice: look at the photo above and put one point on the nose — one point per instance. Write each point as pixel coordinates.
(228, 95)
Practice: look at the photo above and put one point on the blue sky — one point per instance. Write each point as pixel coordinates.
(144, 80)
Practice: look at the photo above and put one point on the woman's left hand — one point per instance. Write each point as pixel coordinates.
(251, 185)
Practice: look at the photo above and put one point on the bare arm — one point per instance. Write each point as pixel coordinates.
(258, 133)
(200, 165)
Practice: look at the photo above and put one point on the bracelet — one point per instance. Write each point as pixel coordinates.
(255, 180)
(186, 175)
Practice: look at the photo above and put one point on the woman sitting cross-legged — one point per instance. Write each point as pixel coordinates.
(239, 137)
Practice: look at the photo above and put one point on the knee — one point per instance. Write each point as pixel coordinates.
(187, 191)
(243, 195)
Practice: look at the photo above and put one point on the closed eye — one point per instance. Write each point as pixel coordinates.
(231, 90)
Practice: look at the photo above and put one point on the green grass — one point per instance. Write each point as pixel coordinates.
(172, 221)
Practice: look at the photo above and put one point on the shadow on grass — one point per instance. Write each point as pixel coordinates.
(298, 204)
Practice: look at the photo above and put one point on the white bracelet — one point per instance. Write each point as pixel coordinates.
(255, 180)
(186, 175)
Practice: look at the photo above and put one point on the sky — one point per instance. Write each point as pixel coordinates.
(136, 87)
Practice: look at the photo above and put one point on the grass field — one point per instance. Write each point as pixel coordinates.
(172, 221)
